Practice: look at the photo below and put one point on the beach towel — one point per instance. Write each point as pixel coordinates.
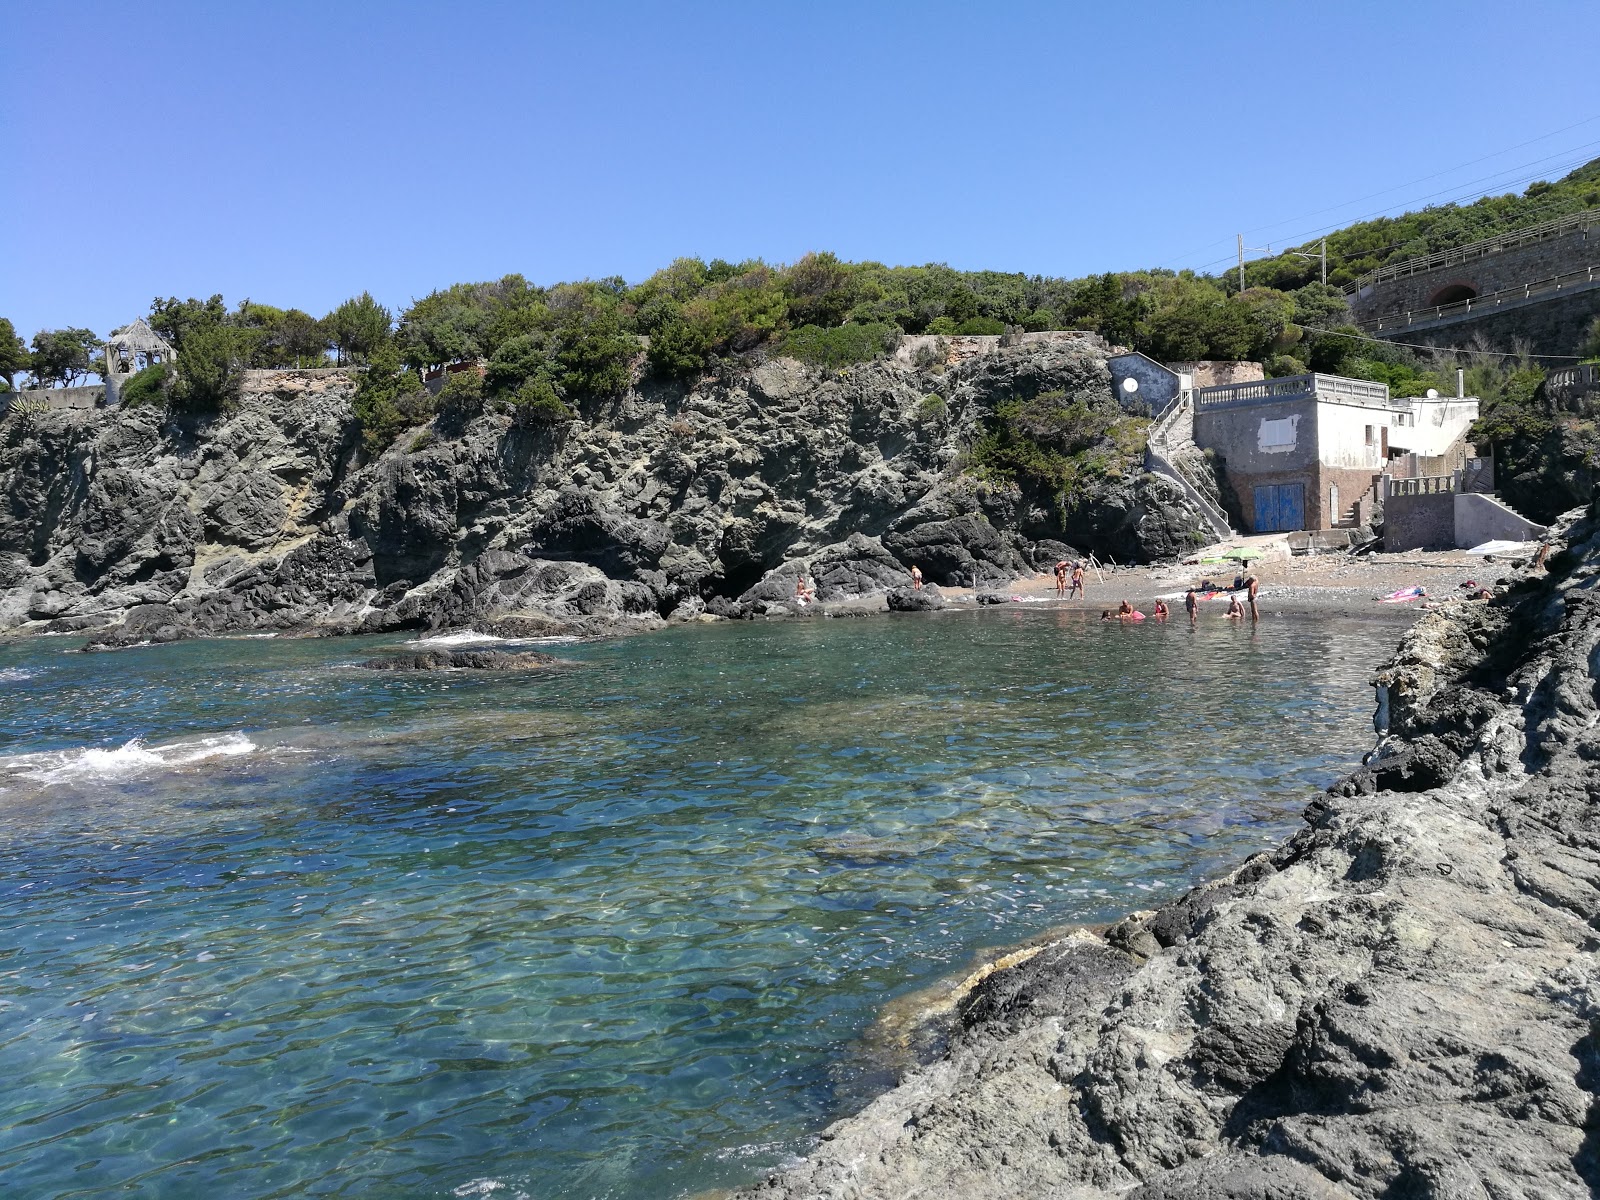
(1402, 596)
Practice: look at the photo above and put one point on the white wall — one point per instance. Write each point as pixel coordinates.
(1342, 432)
(1439, 425)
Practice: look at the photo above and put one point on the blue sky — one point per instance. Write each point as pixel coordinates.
(298, 153)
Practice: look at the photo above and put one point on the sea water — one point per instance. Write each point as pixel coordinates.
(276, 926)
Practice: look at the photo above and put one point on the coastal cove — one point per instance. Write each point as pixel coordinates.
(617, 929)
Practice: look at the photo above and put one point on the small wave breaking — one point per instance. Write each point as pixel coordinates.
(471, 637)
(464, 637)
(85, 763)
(15, 674)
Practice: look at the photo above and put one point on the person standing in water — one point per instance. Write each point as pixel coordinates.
(1161, 611)
(1191, 605)
(1252, 586)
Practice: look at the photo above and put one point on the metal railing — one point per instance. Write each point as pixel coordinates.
(1584, 220)
(1582, 277)
(1157, 459)
(1293, 387)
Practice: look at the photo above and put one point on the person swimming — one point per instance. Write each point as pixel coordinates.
(1235, 609)
(1161, 611)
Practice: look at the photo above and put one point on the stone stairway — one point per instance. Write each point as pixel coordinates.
(1170, 440)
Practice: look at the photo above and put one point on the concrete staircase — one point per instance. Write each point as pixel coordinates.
(1169, 438)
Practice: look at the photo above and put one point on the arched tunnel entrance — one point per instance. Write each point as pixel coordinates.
(1453, 293)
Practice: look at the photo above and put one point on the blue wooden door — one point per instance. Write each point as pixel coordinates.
(1280, 506)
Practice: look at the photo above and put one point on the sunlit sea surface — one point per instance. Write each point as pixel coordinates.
(274, 926)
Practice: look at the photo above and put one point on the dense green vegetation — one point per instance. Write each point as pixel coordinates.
(1053, 444)
(147, 387)
(547, 351)
(1359, 248)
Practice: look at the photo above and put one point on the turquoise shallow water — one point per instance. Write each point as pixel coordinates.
(611, 931)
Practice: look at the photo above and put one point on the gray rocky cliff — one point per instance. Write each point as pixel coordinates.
(666, 500)
(1402, 1001)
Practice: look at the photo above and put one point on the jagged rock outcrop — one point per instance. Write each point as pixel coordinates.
(664, 501)
(1402, 1001)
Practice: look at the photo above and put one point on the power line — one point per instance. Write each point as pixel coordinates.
(1468, 189)
(1450, 170)
(1472, 190)
(1475, 193)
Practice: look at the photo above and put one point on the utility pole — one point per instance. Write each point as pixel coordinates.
(1253, 250)
(1323, 255)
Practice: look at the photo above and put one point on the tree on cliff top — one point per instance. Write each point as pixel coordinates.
(14, 354)
(63, 356)
(210, 368)
(176, 319)
(357, 328)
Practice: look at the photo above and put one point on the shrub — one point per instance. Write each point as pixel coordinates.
(421, 442)
(536, 404)
(932, 409)
(593, 355)
(211, 369)
(462, 389)
(1054, 443)
(516, 361)
(980, 326)
(682, 429)
(146, 387)
(389, 400)
(841, 345)
(931, 356)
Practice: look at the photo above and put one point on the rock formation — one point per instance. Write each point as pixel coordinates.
(664, 501)
(1402, 1001)
(462, 660)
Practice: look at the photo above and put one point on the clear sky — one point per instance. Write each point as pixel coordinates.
(298, 153)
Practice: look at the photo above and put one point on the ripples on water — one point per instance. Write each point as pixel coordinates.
(279, 927)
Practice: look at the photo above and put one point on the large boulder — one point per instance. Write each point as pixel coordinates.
(580, 527)
(965, 550)
(1146, 518)
(144, 624)
(924, 599)
(858, 566)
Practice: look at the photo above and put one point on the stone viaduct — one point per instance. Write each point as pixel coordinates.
(1539, 286)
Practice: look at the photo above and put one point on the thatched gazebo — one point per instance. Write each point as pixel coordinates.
(131, 349)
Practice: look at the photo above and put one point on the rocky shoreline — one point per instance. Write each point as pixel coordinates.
(133, 525)
(1399, 1001)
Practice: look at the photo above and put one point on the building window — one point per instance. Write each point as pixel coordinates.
(1277, 434)
(1369, 435)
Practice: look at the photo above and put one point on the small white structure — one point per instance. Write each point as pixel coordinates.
(131, 349)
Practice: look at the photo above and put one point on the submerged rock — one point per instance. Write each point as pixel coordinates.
(462, 660)
(144, 625)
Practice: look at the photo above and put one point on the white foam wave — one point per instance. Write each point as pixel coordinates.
(465, 637)
(15, 674)
(470, 637)
(133, 758)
